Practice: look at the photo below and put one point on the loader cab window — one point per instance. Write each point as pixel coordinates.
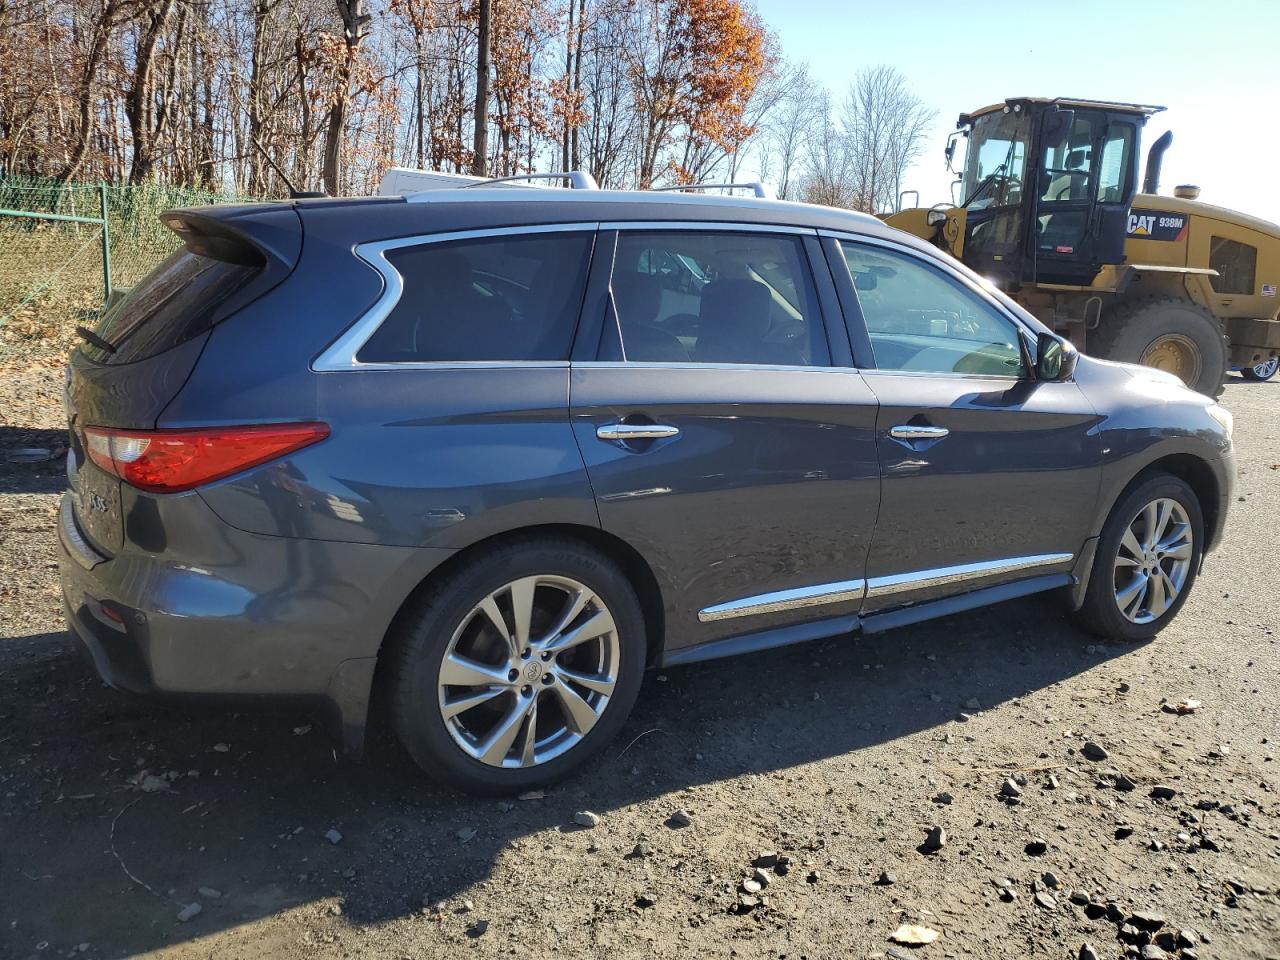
(996, 163)
(1236, 264)
(1113, 168)
(1067, 166)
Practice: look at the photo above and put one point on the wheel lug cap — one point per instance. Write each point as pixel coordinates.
(512, 674)
(548, 679)
(526, 690)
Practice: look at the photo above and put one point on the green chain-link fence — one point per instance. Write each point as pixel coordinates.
(55, 267)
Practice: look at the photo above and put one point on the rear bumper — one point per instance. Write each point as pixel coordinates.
(1252, 340)
(238, 614)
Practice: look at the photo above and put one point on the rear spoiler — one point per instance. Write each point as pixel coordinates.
(259, 234)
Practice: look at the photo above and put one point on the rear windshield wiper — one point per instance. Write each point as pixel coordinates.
(88, 335)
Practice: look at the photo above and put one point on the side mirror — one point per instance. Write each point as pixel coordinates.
(1057, 123)
(1055, 358)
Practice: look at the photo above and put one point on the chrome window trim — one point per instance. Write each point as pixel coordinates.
(968, 282)
(943, 576)
(341, 354)
(780, 601)
(822, 594)
(695, 365)
(707, 226)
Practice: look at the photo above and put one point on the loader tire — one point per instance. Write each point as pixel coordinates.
(1171, 334)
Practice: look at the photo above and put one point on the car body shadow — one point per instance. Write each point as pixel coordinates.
(32, 460)
(247, 798)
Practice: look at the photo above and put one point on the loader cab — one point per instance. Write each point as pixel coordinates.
(1046, 188)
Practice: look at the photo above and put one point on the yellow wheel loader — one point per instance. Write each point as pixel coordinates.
(1050, 211)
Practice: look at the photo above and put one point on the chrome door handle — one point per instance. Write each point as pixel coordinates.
(918, 433)
(635, 431)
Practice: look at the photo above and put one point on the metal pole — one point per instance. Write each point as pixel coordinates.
(106, 245)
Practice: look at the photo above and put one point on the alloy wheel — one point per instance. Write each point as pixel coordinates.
(1153, 560)
(528, 671)
(1267, 368)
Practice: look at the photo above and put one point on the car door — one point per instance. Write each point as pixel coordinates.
(988, 475)
(726, 437)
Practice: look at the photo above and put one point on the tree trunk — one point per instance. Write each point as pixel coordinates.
(480, 143)
(80, 149)
(137, 103)
(354, 24)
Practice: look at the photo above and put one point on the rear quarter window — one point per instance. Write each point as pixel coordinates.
(493, 298)
(177, 301)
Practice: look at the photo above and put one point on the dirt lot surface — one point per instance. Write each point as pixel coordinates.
(827, 765)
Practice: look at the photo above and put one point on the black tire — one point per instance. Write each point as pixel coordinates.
(423, 636)
(1260, 371)
(1101, 612)
(1131, 328)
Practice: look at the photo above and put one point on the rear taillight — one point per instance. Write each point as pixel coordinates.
(168, 461)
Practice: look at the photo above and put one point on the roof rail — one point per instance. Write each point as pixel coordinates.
(578, 179)
(761, 190)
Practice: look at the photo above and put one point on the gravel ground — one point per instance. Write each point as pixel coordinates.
(131, 827)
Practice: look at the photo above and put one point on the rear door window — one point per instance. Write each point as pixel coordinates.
(717, 297)
(175, 302)
(502, 298)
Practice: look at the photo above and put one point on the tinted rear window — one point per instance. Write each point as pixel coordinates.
(175, 302)
(494, 298)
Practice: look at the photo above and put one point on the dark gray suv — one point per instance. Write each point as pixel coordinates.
(499, 450)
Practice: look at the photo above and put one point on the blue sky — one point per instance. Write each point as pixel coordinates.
(1215, 65)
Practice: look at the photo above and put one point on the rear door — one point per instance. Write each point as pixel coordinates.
(726, 435)
(989, 476)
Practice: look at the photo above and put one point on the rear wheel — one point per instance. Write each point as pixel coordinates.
(1177, 336)
(1147, 560)
(518, 668)
(1261, 371)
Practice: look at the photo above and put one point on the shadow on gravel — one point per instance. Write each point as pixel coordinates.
(32, 460)
(254, 798)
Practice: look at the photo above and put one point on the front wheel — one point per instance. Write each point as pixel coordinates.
(519, 667)
(1147, 560)
(1261, 371)
(1177, 336)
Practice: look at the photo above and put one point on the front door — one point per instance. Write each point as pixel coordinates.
(988, 475)
(720, 439)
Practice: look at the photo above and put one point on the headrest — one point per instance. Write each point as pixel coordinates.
(638, 296)
(735, 308)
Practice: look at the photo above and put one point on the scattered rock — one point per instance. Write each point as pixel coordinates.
(813, 876)
(466, 834)
(150, 783)
(478, 929)
(640, 851)
(1152, 952)
(1051, 881)
(943, 799)
(333, 836)
(302, 731)
(1036, 848)
(209, 893)
(1163, 792)
(585, 818)
(505, 806)
(679, 820)
(188, 912)
(751, 886)
(1051, 783)
(1186, 939)
(912, 935)
(1079, 898)
(1087, 952)
(222, 748)
(1156, 845)
(646, 900)
(761, 877)
(1145, 920)
(767, 859)
(1124, 831)
(886, 879)
(1094, 751)
(1010, 789)
(1182, 706)
(1045, 901)
(1122, 782)
(531, 795)
(936, 839)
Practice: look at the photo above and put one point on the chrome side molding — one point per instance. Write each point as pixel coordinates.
(944, 576)
(823, 594)
(781, 600)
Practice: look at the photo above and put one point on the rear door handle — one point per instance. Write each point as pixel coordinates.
(635, 431)
(918, 433)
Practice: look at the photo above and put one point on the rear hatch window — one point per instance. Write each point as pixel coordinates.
(177, 301)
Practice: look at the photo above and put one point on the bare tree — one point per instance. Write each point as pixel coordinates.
(885, 125)
(792, 125)
(480, 144)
